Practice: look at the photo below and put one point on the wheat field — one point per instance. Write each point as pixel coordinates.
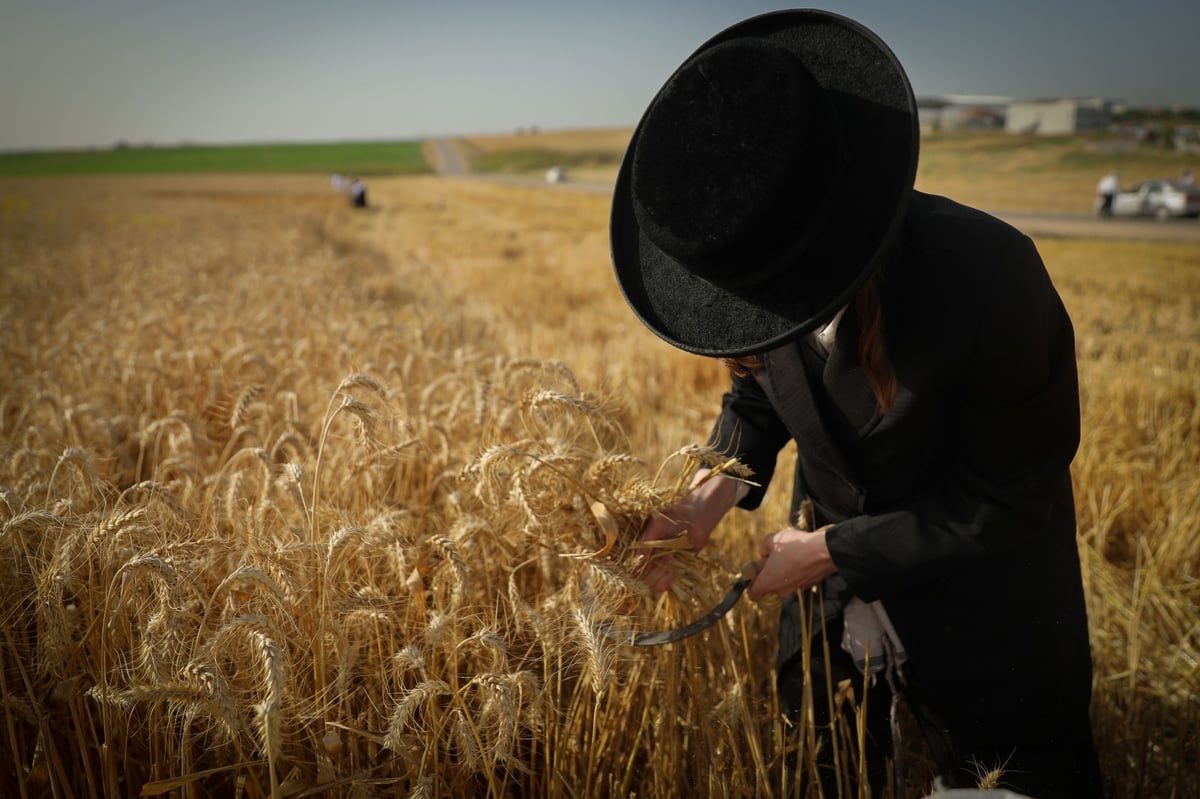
(297, 500)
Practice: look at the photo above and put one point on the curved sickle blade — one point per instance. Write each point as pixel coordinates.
(699, 625)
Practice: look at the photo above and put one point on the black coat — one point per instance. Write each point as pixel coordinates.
(954, 508)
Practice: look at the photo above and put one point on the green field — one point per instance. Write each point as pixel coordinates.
(362, 158)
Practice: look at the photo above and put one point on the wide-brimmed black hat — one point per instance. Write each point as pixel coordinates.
(763, 184)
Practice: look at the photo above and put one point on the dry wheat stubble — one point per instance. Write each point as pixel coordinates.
(154, 424)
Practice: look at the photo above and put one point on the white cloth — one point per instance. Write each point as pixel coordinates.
(1109, 184)
(869, 637)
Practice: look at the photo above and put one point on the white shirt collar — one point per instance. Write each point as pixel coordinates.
(826, 335)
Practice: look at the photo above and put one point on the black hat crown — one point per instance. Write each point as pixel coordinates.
(735, 161)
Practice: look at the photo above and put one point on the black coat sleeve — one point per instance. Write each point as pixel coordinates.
(750, 430)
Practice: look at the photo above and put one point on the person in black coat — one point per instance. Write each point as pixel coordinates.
(919, 356)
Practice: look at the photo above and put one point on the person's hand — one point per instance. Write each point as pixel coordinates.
(694, 517)
(792, 560)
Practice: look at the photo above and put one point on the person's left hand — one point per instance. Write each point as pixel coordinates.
(696, 515)
(792, 561)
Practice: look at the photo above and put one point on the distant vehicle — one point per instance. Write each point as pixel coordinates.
(1160, 199)
(556, 174)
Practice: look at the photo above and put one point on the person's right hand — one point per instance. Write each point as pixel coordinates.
(791, 560)
(695, 516)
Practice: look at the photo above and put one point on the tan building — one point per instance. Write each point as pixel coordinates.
(961, 111)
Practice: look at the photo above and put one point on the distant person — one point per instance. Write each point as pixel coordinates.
(358, 193)
(1186, 178)
(1107, 190)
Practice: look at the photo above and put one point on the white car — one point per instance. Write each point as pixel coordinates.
(1160, 199)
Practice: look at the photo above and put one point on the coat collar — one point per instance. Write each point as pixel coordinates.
(851, 405)
(789, 387)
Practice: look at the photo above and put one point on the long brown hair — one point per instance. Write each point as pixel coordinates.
(872, 353)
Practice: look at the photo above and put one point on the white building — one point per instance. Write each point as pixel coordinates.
(1057, 117)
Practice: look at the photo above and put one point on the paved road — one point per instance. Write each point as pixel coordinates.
(447, 158)
(450, 162)
(1090, 227)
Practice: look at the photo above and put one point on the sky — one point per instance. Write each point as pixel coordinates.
(76, 73)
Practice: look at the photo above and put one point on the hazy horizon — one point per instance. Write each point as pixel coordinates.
(76, 76)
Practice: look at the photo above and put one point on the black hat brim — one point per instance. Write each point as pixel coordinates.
(878, 125)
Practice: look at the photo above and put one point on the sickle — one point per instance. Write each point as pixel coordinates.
(687, 631)
(749, 572)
